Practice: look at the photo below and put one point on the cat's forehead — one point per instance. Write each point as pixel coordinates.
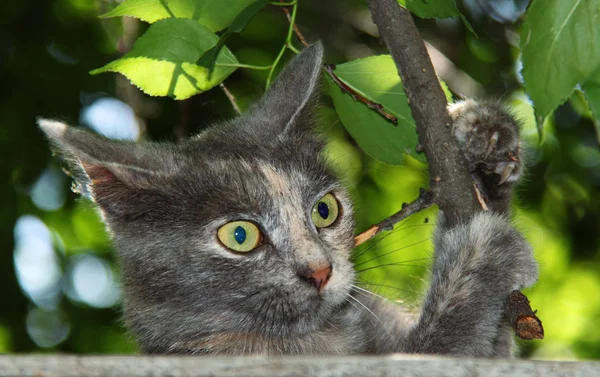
(281, 178)
(250, 173)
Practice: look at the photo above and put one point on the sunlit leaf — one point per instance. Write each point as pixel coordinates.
(378, 137)
(162, 62)
(559, 44)
(214, 14)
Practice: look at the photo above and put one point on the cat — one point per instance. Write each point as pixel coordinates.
(238, 240)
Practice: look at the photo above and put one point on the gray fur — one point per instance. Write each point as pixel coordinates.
(186, 293)
(489, 135)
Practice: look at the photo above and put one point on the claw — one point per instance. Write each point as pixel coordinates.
(492, 146)
(506, 173)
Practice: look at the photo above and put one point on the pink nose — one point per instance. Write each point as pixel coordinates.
(317, 277)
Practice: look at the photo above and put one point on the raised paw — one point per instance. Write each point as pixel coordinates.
(489, 137)
(489, 250)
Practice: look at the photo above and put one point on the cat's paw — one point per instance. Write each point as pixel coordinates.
(489, 137)
(489, 245)
(502, 252)
(488, 254)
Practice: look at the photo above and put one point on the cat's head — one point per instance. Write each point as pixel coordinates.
(240, 230)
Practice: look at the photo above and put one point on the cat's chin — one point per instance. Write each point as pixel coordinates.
(319, 310)
(311, 311)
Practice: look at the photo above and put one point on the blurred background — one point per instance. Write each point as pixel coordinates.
(58, 275)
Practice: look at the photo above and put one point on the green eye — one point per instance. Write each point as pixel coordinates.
(325, 211)
(240, 236)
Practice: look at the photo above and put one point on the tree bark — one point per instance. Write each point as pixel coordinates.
(451, 182)
(522, 319)
(449, 179)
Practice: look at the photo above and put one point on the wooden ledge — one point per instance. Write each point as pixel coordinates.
(360, 366)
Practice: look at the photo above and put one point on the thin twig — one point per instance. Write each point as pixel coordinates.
(328, 68)
(357, 97)
(522, 319)
(231, 98)
(424, 200)
(296, 29)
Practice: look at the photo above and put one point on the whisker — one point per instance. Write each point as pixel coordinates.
(361, 251)
(366, 291)
(377, 241)
(331, 324)
(248, 297)
(396, 264)
(388, 287)
(391, 252)
(351, 303)
(367, 309)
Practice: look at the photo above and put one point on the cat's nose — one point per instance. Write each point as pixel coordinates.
(318, 276)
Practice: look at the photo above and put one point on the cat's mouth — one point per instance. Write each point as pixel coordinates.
(297, 308)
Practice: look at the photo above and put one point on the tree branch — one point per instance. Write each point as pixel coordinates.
(522, 319)
(296, 29)
(328, 68)
(377, 107)
(231, 98)
(451, 183)
(425, 200)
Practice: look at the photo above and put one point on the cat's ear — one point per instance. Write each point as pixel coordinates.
(107, 170)
(292, 95)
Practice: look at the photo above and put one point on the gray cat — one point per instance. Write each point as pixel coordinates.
(238, 241)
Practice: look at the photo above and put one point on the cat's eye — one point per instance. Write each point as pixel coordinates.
(240, 236)
(325, 212)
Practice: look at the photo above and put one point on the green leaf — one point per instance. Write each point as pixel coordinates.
(214, 14)
(163, 61)
(591, 90)
(239, 23)
(241, 20)
(436, 9)
(376, 78)
(433, 8)
(560, 43)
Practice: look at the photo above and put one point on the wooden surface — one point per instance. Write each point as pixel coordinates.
(392, 365)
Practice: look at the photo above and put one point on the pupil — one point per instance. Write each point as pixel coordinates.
(240, 235)
(323, 210)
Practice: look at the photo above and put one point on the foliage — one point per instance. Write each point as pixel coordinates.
(432, 9)
(215, 15)
(46, 69)
(592, 92)
(372, 132)
(162, 61)
(559, 43)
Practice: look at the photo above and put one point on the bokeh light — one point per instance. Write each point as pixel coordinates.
(91, 281)
(47, 328)
(48, 192)
(111, 118)
(36, 263)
